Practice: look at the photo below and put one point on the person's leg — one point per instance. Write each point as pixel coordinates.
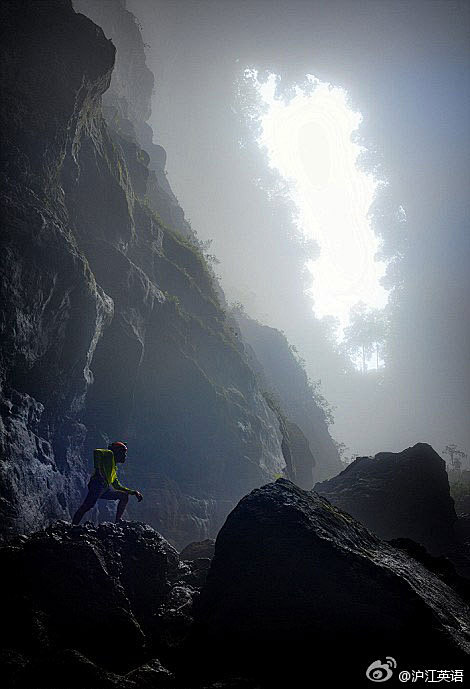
(122, 498)
(79, 514)
(95, 487)
(122, 504)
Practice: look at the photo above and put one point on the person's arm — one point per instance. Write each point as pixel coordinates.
(123, 489)
(118, 486)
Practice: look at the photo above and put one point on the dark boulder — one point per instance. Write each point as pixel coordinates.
(12, 665)
(398, 495)
(299, 588)
(199, 549)
(151, 675)
(71, 669)
(68, 668)
(104, 595)
(442, 566)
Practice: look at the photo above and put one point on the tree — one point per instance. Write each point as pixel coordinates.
(367, 332)
(455, 456)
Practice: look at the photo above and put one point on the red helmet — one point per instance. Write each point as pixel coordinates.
(117, 446)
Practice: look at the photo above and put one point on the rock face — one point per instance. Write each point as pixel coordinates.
(113, 326)
(127, 102)
(298, 588)
(54, 67)
(398, 495)
(87, 604)
(314, 454)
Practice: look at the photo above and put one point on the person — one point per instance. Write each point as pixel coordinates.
(104, 483)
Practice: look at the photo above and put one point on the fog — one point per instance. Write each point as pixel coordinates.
(405, 66)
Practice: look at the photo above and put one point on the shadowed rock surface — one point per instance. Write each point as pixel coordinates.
(294, 573)
(86, 604)
(398, 495)
(115, 606)
(105, 607)
(442, 566)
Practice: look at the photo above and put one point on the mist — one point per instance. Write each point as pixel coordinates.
(405, 69)
(234, 373)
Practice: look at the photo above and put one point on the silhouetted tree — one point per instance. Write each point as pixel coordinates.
(455, 456)
(367, 332)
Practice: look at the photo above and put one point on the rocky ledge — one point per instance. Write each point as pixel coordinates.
(296, 588)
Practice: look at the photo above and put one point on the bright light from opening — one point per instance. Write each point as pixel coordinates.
(309, 142)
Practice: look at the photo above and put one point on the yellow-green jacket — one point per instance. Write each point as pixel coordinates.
(105, 466)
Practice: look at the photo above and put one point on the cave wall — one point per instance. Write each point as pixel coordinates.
(113, 326)
(127, 102)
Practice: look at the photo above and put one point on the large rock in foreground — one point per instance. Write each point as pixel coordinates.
(92, 607)
(398, 495)
(299, 589)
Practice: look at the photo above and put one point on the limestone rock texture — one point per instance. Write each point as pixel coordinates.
(127, 102)
(299, 589)
(113, 326)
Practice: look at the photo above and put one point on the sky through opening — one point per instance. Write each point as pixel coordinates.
(308, 140)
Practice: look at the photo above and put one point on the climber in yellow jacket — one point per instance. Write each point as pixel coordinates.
(104, 483)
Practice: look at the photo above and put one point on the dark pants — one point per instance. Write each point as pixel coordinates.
(98, 489)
